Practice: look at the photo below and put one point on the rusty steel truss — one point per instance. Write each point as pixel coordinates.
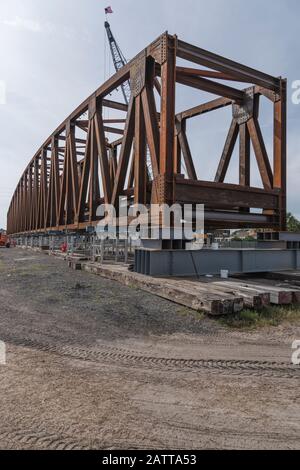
(69, 177)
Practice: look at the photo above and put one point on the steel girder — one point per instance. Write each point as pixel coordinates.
(69, 176)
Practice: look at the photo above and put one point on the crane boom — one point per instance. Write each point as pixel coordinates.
(118, 60)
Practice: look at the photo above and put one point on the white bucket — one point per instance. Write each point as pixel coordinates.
(224, 273)
(215, 246)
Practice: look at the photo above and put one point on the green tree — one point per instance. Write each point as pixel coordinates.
(293, 224)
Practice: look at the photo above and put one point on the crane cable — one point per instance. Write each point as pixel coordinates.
(104, 71)
(107, 69)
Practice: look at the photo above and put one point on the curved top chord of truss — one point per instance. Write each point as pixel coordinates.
(77, 168)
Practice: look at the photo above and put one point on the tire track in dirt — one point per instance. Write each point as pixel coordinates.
(34, 436)
(28, 437)
(130, 358)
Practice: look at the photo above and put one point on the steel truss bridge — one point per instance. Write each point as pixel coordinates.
(77, 168)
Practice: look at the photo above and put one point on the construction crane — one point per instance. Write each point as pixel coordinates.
(118, 60)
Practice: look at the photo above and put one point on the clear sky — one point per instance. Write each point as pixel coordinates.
(53, 55)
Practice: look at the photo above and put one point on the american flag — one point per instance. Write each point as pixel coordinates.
(108, 10)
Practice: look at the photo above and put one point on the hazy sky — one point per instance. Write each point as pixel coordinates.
(53, 55)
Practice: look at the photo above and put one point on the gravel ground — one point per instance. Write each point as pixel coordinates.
(94, 364)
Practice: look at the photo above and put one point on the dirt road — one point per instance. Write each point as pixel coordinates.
(94, 364)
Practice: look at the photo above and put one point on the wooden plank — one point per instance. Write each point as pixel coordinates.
(250, 300)
(203, 289)
(294, 289)
(213, 304)
(292, 277)
(278, 295)
(253, 298)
